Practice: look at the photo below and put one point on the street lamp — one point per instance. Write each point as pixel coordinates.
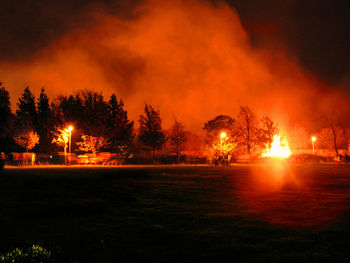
(222, 136)
(313, 139)
(70, 128)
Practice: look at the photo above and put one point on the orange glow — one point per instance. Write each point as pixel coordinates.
(164, 57)
(278, 149)
(313, 138)
(70, 128)
(290, 196)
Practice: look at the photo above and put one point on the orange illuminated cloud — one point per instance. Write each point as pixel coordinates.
(190, 58)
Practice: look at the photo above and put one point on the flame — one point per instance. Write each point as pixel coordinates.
(278, 148)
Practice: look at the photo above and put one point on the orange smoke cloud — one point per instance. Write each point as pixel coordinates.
(190, 58)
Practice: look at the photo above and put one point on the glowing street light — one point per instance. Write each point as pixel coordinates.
(222, 136)
(313, 139)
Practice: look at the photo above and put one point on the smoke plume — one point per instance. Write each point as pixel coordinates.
(190, 58)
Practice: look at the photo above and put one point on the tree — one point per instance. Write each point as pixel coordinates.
(151, 133)
(92, 143)
(120, 128)
(334, 134)
(5, 111)
(26, 112)
(219, 147)
(267, 131)
(66, 109)
(85, 110)
(27, 140)
(222, 149)
(44, 123)
(61, 138)
(6, 119)
(247, 128)
(177, 138)
(332, 139)
(93, 112)
(218, 124)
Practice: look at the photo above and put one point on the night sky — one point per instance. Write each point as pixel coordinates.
(316, 31)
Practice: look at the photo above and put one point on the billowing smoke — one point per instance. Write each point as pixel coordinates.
(189, 58)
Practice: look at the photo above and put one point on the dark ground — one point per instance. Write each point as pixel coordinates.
(248, 213)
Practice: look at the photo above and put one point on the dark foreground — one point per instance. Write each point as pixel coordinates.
(258, 213)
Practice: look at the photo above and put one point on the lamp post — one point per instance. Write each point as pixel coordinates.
(313, 139)
(70, 128)
(222, 136)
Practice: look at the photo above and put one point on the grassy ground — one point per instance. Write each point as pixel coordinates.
(257, 213)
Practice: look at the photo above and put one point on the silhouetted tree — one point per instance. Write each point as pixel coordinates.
(6, 119)
(120, 128)
(92, 119)
(86, 110)
(67, 110)
(151, 133)
(177, 138)
(215, 126)
(26, 113)
(44, 121)
(247, 128)
(333, 136)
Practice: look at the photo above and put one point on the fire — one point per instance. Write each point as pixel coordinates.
(278, 149)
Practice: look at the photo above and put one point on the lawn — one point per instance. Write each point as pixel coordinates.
(250, 213)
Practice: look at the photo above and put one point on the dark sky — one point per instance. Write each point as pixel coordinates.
(315, 31)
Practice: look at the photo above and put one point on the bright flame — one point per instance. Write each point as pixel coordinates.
(278, 149)
(313, 138)
(70, 128)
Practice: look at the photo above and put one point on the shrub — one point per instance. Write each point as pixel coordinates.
(34, 254)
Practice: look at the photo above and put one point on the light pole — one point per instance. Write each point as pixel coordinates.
(313, 139)
(222, 148)
(222, 136)
(70, 128)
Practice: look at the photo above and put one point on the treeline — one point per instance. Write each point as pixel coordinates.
(41, 125)
(245, 134)
(36, 122)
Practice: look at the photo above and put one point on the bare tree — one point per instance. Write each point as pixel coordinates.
(177, 138)
(335, 132)
(247, 128)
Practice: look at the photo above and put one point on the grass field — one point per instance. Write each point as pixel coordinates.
(250, 213)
